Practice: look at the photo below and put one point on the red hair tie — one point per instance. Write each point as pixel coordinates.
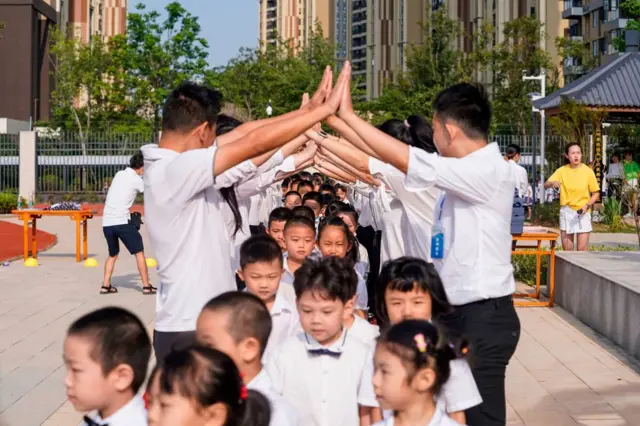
(243, 393)
(145, 397)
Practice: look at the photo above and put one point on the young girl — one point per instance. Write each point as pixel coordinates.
(349, 215)
(411, 368)
(335, 239)
(202, 387)
(411, 288)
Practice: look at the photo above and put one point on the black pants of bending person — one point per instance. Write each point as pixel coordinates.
(492, 329)
(164, 342)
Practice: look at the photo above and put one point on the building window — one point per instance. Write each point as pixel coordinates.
(594, 18)
(594, 45)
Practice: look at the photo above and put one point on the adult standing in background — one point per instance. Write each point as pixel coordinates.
(512, 155)
(579, 191)
(472, 223)
(117, 225)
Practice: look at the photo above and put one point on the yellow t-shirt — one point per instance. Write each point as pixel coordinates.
(576, 185)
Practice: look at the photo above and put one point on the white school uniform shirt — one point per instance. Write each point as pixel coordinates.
(285, 324)
(324, 390)
(392, 242)
(475, 219)
(363, 330)
(362, 294)
(187, 231)
(363, 265)
(522, 178)
(282, 413)
(440, 418)
(418, 206)
(133, 413)
(124, 188)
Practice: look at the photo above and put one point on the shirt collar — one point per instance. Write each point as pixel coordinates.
(489, 150)
(280, 305)
(261, 382)
(125, 415)
(337, 346)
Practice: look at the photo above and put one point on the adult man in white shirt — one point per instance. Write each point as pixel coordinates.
(474, 217)
(183, 204)
(117, 226)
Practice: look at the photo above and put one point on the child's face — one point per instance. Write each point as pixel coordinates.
(263, 278)
(394, 389)
(304, 189)
(87, 387)
(292, 201)
(154, 411)
(322, 318)
(212, 331)
(333, 242)
(313, 205)
(341, 194)
(180, 411)
(299, 242)
(414, 304)
(347, 219)
(276, 231)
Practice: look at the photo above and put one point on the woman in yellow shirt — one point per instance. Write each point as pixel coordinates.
(579, 191)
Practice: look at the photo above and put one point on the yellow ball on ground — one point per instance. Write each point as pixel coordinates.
(151, 262)
(90, 263)
(31, 262)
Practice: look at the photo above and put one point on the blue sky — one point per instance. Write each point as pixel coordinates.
(227, 25)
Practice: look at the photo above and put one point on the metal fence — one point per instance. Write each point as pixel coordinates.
(9, 163)
(554, 150)
(67, 163)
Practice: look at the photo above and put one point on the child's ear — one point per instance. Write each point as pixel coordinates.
(349, 307)
(121, 377)
(216, 414)
(424, 380)
(250, 350)
(240, 274)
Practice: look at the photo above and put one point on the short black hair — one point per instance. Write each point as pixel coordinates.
(136, 162)
(327, 198)
(248, 316)
(188, 106)
(313, 196)
(286, 182)
(259, 248)
(305, 175)
(405, 274)
(118, 337)
(279, 214)
(290, 193)
(300, 221)
(468, 106)
(306, 183)
(333, 277)
(328, 187)
(334, 207)
(303, 211)
(340, 187)
(226, 123)
(512, 150)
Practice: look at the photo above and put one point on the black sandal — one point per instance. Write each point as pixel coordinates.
(148, 290)
(108, 289)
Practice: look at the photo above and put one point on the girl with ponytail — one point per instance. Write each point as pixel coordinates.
(201, 386)
(412, 365)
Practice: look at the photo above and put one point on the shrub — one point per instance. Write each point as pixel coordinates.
(50, 183)
(611, 213)
(8, 202)
(548, 214)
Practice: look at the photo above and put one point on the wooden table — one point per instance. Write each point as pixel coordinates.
(538, 251)
(32, 215)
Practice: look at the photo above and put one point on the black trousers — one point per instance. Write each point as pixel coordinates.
(166, 341)
(492, 329)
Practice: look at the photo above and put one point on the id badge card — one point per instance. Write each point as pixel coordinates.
(437, 242)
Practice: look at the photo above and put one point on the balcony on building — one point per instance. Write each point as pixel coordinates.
(357, 5)
(615, 19)
(572, 9)
(572, 67)
(271, 4)
(590, 6)
(272, 14)
(574, 32)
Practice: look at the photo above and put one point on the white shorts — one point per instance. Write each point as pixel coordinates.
(573, 223)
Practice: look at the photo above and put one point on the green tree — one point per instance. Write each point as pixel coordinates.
(575, 122)
(576, 52)
(631, 9)
(162, 55)
(519, 52)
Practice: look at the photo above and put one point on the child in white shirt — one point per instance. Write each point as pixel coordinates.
(411, 367)
(411, 288)
(106, 353)
(238, 324)
(261, 269)
(299, 238)
(324, 372)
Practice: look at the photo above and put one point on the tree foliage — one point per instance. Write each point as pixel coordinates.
(575, 122)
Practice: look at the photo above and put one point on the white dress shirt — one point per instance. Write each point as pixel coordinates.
(476, 219)
(364, 331)
(124, 188)
(133, 413)
(440, 418)
(522, 178)
(285, 323)
(324, 390)
(282, 413)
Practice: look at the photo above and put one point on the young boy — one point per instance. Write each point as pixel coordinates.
(341, 193)
(239, 324)
(323, 372)
(299, 238)
(313, 200)
(106, 354)
(275, 227)
(292, 199)
(305, 187)
(261, 270)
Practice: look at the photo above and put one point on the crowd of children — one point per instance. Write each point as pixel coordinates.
(336, 315)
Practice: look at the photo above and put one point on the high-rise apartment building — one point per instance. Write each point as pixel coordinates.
(88, 18)
(294, 20)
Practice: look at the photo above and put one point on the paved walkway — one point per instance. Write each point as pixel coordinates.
(562, 373)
